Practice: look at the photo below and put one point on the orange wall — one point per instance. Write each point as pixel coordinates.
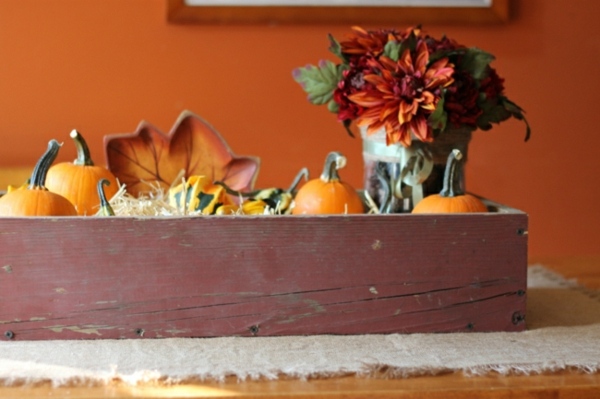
(102, 66)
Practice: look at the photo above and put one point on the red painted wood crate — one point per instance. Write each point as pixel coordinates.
(124, 277)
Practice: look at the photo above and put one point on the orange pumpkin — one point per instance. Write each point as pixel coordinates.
(328, 194)
(77, 181)
(451, 199)
(35, 199)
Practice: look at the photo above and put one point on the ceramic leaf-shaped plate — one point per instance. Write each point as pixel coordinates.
(147, 158)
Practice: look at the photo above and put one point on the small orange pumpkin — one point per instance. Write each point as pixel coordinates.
(451, 199)
(35, 199)
(77, 181)
(328, 194)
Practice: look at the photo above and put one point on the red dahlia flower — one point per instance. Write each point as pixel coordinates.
(492, 85)
(461, 101)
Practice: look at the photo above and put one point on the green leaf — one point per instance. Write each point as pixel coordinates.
(347, 124)
(438, 55)
(518, 113)
(319, 82)
(392, 50)
(332, 106)
(410, 43)
(527, 128)
(496, 114)
(438, 118)
(511, 106)
(335, 47)
(498, 110)
(493, 112)
(476, 61)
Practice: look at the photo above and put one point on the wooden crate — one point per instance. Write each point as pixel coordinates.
(124, 277)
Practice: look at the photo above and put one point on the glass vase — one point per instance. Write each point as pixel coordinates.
(396, 178)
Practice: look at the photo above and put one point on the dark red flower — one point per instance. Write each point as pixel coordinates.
(492, 85)
(461, 100)
(444, 44)
(352, 82)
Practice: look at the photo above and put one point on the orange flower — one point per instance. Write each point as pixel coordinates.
(362, 42)
(403, 94)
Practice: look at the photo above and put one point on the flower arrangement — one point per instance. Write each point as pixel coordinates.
(409, 83)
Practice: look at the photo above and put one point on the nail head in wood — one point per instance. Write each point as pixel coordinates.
(518, 318)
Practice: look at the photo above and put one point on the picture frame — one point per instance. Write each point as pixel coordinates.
(345, 12)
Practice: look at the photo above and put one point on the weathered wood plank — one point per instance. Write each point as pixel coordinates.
(64, 278)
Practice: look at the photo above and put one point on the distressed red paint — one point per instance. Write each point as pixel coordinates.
(124, 277)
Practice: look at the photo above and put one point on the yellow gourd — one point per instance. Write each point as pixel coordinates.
(198, 194)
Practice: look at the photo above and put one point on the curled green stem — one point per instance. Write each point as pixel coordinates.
(105, 208)
(451, 187)
(40, 171)
(251, 194)
(333, 162)
(83, 151)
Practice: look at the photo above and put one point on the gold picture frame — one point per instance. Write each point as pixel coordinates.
(394, 12)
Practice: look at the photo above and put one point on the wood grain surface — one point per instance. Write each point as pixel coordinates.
(124, 277)
(449, 386)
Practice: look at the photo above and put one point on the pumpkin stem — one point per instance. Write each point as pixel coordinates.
(236, 193)
(83, 151)
(105, 208)
(38, 176)
(302, 174)
(451, 188)
(333, 162)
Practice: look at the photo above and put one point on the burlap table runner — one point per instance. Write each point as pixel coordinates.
(563, 333)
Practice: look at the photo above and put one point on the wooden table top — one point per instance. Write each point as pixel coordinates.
(562, 385)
